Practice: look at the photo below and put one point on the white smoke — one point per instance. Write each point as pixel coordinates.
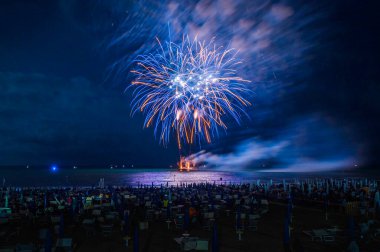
(308, 145)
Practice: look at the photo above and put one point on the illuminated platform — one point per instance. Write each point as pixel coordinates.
(186, 165)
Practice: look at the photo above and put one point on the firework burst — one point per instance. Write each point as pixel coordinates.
(189, 88)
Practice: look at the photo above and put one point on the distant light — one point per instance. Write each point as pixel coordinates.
(54, 168)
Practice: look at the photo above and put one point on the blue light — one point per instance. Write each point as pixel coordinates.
(54, 168)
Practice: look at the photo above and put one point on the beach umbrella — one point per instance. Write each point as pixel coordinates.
(286, 231)
(61, 226)
(74, 205)
(377, 198)
(327, 188)
(21, 196)
(136, 240)
(238, 219)
(351, 227)
(215, 242)
(115, 200)
(48, 242)
(344, 187)
(168, 211)
(6, 199)
(289, 212)
(126, 220)
(325, 206)
(72, 211)
(192, 201)
(45, 200)
(186, 219)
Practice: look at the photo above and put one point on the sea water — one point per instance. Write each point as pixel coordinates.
(135, 177)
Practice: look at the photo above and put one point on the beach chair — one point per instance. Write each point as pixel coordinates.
(179, 221)
(106, 230)
(316, 234)
(227, 211)
(202, 245)
(90, 230)
(239, 232)
(148, 204)
(312, 235)
(264, 211)
(100, 219)
(24, 248)
(329, 238)
(264, 202)
(207, 223)
(242, 220)
(65, 243)
(252, 223)
(96, 212)
(143, 225)
(189, 244)
(55, 219)
(150, 214)
(208, 215)
(110, 217)
(42, 233)
(126, 240)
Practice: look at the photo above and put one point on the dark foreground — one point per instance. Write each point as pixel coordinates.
(308, 215)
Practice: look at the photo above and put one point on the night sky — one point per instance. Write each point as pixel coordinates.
(314, 66)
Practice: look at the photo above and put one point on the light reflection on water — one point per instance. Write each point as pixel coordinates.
(176, 177)
(134, 177)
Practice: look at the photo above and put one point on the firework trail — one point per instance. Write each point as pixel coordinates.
(189, 88)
